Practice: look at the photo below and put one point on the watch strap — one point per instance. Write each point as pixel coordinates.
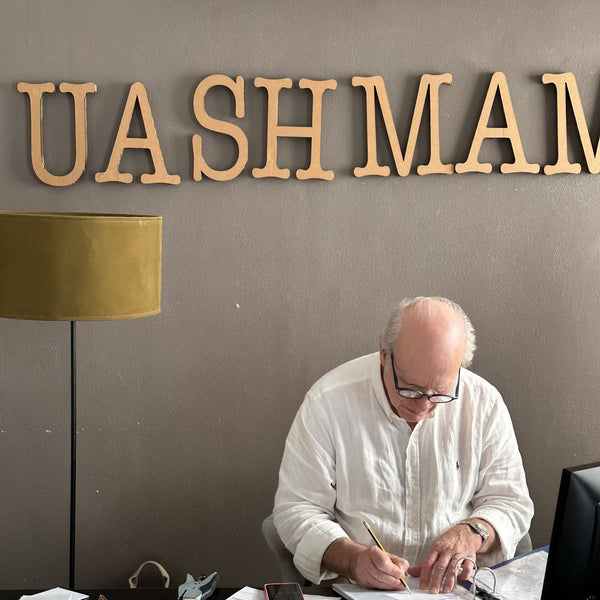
(478, 528)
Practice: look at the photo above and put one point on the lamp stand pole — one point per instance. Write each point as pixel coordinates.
(73, 457)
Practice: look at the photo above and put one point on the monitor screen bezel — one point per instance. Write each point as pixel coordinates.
(570, 572)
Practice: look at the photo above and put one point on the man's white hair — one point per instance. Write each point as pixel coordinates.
(390, 333)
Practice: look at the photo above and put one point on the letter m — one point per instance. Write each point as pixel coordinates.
(375, 88)
(567, 85)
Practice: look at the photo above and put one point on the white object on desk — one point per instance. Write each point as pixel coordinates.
(354, 592)
(56, 594)
(248, 593)
(523, 577)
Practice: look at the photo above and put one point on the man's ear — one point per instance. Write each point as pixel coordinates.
(382, 356)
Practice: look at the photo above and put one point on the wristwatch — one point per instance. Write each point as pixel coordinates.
(478, 528)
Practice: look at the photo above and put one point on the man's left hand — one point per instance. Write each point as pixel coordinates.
(436, 570)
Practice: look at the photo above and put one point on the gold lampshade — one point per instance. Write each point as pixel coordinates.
(79, 266)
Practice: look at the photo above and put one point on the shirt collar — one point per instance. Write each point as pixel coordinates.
(382, 397)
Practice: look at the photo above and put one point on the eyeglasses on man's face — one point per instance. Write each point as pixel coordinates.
(411, 394)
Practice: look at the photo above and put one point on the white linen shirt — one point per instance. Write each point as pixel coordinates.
(348, 457)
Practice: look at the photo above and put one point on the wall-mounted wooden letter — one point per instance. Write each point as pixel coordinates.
(510, 132)
(374, 86)
(566, 83)
(313, 132)
(237, 89)
(79, 91)
(137, 93)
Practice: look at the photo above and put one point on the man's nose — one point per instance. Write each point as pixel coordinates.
(423, 402)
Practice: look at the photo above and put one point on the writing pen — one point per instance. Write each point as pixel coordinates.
(383, 550)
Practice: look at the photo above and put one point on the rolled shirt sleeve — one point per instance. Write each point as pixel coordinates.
(502, 498)
(304, 511)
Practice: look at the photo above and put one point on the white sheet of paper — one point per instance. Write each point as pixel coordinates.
(354, 592)
(56, 594)
(248, 593)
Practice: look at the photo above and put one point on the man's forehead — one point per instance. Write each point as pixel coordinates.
(430, 341)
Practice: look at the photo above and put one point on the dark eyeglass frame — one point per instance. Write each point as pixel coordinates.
(417, 395)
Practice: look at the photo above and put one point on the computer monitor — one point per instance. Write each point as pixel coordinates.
(573, 569)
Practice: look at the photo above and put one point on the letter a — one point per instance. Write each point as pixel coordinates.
(510, 132)
(137, 93)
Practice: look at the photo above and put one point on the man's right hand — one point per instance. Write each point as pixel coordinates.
(368, 567)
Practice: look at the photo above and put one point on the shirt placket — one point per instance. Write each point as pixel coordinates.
(413, 496)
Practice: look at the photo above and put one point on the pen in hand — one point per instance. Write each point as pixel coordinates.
(383, 550)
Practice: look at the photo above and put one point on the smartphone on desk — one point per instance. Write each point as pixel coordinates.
(283, 591)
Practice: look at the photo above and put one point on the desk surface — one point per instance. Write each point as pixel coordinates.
(125, 593)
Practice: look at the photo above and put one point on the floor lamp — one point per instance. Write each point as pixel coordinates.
(79, 267)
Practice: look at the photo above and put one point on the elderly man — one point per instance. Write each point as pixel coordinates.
(416, 445)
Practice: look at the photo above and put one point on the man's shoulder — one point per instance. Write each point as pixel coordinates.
(478, 387)
(474, 379)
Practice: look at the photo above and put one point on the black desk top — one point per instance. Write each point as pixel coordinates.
(147, 593)
(125, 593)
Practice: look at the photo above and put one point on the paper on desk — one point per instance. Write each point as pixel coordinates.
(250, 593)
(56, 594)
(521, 578)
(354, 592)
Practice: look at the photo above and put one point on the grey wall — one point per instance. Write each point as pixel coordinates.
(268, 283)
